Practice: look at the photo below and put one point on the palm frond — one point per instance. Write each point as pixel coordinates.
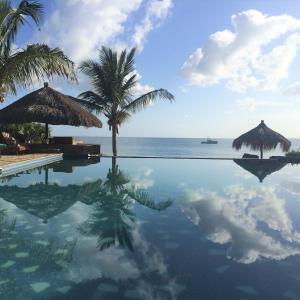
(91, 107)
(121, 62)
(125, 236)
(92, 102)
(5, 9)
(129, 64)
(129, 84)
(90, 68)
(15, 18)
(148, 98)
(145, 200)
(93, 98)
(109, 60)
(122, 116)
(34, 63)
(98, 76)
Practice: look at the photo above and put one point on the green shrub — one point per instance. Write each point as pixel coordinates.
(28, 133)
(293, 153)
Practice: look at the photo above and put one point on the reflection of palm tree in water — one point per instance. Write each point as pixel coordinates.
(113, 214)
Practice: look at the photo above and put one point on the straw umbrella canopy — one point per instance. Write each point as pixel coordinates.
(261, 138)
(260, 168)
(48, 106)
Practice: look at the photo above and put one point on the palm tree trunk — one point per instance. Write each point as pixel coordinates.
(114, 140)
(114, 165)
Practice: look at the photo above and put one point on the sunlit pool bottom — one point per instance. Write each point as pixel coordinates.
(150, 229)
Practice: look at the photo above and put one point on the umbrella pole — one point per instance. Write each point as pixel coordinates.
(261, 151)
(46, 132)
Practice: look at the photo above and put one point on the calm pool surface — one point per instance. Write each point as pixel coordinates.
(151, 229)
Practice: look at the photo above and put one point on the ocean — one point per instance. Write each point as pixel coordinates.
(179, 147)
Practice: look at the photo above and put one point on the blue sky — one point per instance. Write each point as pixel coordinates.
(228, 63)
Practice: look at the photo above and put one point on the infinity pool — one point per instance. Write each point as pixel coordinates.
(151, 229)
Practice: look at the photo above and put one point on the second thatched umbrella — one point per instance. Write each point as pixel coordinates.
(261, 138)
(48, 106)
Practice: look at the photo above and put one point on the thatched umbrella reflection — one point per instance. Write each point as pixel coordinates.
(260, 168)
(48, 106)
(113, 214)
(261, 138)
(48, 200)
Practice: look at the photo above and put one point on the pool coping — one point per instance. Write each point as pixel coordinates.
(15, 168)
(185, 157)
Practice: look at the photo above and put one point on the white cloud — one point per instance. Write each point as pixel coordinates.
(139, 88)
(251, 104)
(142, 180)
(238, 57)
(234, 219)
(81, 32)
(293, 89)
(274, 66)
(156, 12)
(183, 89)
(148, 172)
(248, 104)
(82, 26)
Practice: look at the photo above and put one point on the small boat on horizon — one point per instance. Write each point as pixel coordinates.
(209, 141)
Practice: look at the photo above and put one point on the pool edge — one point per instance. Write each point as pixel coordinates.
(28, 164)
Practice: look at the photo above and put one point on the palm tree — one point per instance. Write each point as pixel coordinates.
(113, 216)
(114, 79)
(22, 67)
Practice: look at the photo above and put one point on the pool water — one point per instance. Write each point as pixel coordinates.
(150, 229)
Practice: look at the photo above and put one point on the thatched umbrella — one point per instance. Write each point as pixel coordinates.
(48, 106)
(261, 138)
(260, 168)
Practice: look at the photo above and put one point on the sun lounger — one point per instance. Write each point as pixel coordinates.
(68, 150)
(247, 155)
(2, 146)
(64, 140)
(15, 149)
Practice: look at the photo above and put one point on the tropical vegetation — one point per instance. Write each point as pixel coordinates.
(293, 153)
(24, 66)
(114, 80)
(25, 133)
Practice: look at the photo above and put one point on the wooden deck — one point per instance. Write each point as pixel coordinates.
(7, 160)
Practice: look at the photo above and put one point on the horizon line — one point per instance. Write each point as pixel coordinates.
(154, 137)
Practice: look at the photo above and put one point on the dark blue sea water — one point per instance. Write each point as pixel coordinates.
(175, 147)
